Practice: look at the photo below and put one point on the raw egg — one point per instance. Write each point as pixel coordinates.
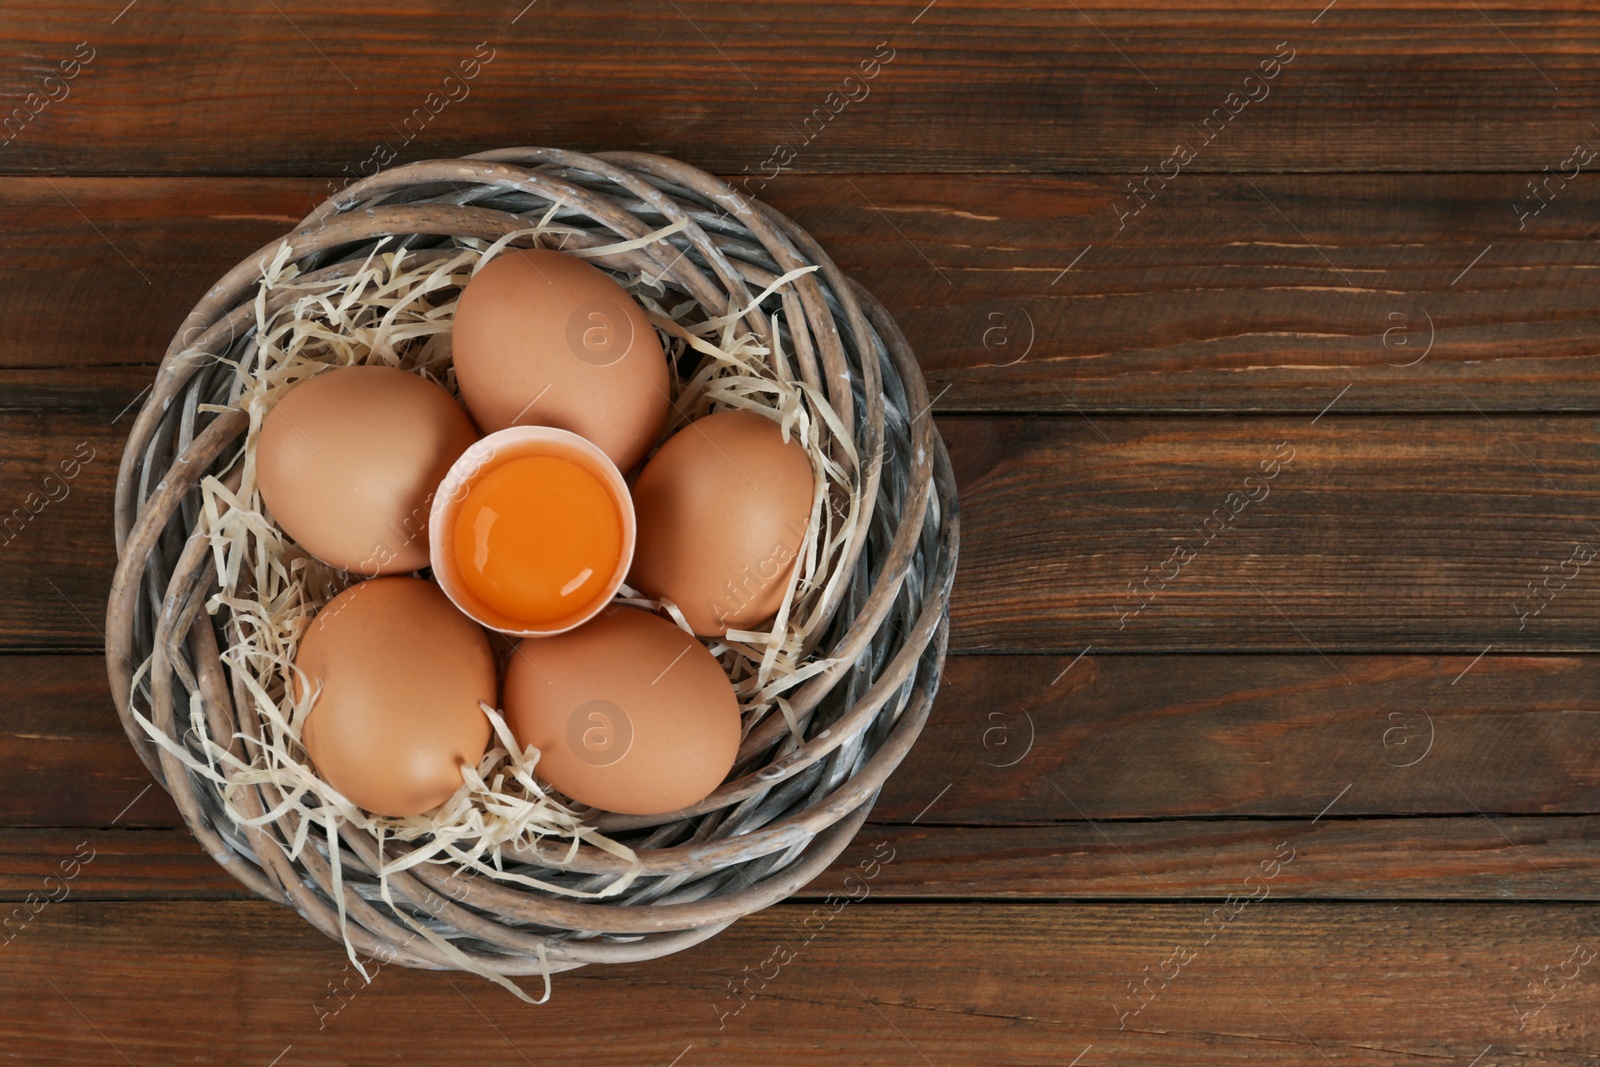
(537, 537)
(722, 509)
(629, 713)
(532, 530)
(348, 460)
(402, 674)
(542, 338)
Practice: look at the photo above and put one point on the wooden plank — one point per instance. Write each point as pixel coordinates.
(1320, 535)
(116, 864)
(58, 471)
(67, 760)
(1014, 741)
(1140, 737)
(1371, 534)
(748, 87)
(1459, 858)
(884, 984)
(102, 272)
(1208, 300)
(1233, 294)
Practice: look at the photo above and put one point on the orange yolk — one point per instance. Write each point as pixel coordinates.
(538, 538)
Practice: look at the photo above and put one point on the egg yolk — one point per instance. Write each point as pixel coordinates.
(537, 538)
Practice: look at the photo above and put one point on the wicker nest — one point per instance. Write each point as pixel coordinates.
(805, 779)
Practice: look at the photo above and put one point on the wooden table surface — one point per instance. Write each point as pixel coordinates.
(1306, 290)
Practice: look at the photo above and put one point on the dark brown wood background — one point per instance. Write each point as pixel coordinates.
(1351, 274)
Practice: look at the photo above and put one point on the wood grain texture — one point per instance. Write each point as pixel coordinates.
(55, 531)
(1354, 673)
(1212, 736)
(1336, 858)
(67, 761)
(985, 87)
(116, 864)
(1374, 534)
(874, 983)
(1320, 535)
(1208, 300)
(1012, 741)
(1091, 787)
(1453, 858)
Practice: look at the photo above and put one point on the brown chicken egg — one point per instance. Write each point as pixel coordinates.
(542, 338)
(348, 460)
(629, 713)
(722, 509)
(402, 674)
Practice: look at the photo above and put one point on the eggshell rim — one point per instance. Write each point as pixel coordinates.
(515, 442)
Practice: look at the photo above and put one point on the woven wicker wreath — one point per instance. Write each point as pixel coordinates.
(805, 779)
